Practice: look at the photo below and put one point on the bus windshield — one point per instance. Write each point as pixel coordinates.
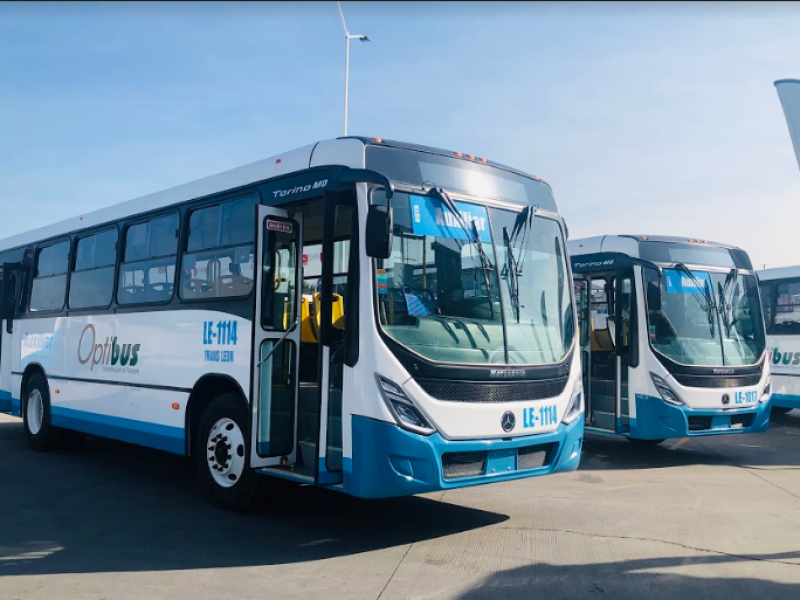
(485, 286)
(698, 317)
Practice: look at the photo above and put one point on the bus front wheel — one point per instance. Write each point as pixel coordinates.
(222, 456)
(781, 410)
(42, 436)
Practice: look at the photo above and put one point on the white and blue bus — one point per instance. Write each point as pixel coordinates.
(780, 296)
(380, 318)
(672, 336)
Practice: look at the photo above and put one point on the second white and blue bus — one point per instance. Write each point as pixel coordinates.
(673, 338)
(780, 295)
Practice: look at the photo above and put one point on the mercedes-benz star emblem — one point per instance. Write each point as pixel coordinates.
(726, 399)
(508, 421)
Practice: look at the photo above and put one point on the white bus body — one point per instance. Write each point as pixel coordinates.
(780, 296)
(672, 337)
(209, 320)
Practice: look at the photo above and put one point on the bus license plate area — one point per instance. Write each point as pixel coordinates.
(744, 397)
(501, 461)
(538, 416)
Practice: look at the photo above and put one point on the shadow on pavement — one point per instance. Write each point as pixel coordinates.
(117, 507)
(774, 448)
(607, 453)
(638, 580)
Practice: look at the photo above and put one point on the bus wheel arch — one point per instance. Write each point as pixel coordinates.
(204, 391)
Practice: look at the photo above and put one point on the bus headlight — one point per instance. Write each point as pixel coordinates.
(575, 406)
(667, 394)
(767, 390)
(405, 413)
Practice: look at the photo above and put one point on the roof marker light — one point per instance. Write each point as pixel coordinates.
(536, 177)
(277, 161)
(483, 160)
(458, 154)
(377, 140)
(470, 156)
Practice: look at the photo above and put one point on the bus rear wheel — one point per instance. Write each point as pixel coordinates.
(222, 456)
(42, 436)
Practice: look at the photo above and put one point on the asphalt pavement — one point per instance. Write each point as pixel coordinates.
(706, 518)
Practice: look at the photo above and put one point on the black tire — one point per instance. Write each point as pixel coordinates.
(242, 494)
(645, 443)
(47, 437)
(781, 410)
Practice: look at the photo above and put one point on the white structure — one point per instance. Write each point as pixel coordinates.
(789, 95)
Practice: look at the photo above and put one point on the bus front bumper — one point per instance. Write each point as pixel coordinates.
(655, 420)
(785, 401)
(390, 461)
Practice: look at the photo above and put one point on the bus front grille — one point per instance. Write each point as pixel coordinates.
(457, 465)
(475, 391)
(533, 457)
(704, 423)
(714, 381)
(460, 465)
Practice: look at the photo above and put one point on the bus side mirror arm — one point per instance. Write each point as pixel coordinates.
(347, 175)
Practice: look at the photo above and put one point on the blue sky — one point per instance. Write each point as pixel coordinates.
(645, 118)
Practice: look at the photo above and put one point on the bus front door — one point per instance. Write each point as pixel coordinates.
(580, 285)
(610, 301)
(276, 339)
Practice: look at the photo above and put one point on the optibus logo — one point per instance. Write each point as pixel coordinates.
(785, 358)
(110, 353)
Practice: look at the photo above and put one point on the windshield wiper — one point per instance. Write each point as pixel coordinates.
(726, 304)
(486, 266)
(472, 232)
(708, 306)
(522, 225)
(513, 274)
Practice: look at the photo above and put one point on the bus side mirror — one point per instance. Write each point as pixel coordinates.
(653, 296)
(380, 223)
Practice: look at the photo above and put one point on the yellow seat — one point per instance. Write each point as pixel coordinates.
(337, 311)
(308, 325)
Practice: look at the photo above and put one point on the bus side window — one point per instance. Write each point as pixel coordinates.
(787, 309)
(147, 272)
(49, 286)
(92, 281)
(218, 261)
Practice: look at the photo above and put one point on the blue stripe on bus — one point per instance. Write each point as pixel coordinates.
(153, 435)
(786, 400)
(5, 402)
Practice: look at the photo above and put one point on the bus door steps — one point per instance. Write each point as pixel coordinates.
(607, 420)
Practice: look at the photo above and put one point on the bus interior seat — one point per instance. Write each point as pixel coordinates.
(395, 306)
(601, 340)
(235, 285)
(419, 303)
(308, 324)
(337, 311)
